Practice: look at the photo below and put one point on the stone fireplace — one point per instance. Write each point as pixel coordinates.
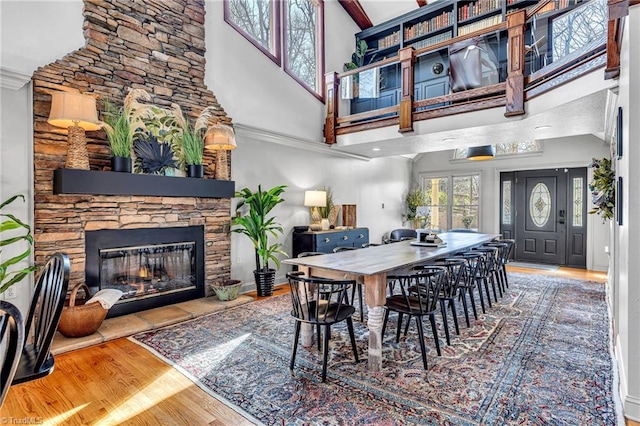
(158, 46)
(152, 268)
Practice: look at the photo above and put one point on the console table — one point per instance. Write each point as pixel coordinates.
(326, 241)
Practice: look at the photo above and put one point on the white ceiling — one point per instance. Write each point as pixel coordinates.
(380, 11)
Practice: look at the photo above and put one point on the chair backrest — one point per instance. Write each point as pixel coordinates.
(310, 253)
(471, 231)
(344, 248)
(490, 259)
(402, 234)
(46, 306)
(319, 300)
(455, 269)
(11, 343)
(473, 264)
(419, 288)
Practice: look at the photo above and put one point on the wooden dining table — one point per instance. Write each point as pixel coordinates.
(371, 265)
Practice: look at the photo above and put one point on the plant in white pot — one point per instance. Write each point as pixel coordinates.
(258, 227)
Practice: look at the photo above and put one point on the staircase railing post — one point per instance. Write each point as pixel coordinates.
(515, 63)
(332, 87)
(407, 60)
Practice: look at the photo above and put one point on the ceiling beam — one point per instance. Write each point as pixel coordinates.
(422, 2)
(357, 13)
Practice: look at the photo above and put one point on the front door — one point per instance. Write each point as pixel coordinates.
(549, 223)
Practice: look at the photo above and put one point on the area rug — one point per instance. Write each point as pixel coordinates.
(539, 356)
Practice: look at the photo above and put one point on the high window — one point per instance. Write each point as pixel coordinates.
(299, 23)
(454, 201)
(506, 149)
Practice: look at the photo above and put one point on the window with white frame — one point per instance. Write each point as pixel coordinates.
(454, 201)
(298, 23)
(513, 148)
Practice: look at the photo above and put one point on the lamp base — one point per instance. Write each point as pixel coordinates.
(77, 157)
(222, 169)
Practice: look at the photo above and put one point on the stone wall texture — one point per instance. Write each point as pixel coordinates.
(156, 45)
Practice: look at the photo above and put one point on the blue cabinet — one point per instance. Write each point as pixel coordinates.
(326, 241)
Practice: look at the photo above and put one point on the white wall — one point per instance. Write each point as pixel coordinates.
(368, 184)
(627, 291)
(574, 151)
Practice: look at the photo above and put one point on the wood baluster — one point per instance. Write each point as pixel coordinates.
(515, 64)
(407, 60)
(332, 88)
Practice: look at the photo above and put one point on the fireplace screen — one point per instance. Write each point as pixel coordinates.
(148, 270)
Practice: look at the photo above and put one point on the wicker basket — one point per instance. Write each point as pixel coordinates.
(81, 320)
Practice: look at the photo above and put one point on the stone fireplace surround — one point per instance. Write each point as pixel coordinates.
(156, 45)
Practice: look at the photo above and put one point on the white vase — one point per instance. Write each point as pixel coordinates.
(325, 224)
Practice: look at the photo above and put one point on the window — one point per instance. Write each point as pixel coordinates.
(257, 21)
(505, 149)
(303, 43)
(454, 201)
(300, 24)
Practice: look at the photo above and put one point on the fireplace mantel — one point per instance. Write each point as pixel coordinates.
(73, 181)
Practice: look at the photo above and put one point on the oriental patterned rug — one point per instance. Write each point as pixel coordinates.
(541, 355)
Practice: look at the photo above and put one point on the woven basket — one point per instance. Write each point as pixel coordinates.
(81, 320)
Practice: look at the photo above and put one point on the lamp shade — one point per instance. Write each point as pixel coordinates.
(484, 152)
(220, 136)
(315, 198)
(73, 109)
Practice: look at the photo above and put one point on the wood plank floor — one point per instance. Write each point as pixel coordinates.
(119, 382)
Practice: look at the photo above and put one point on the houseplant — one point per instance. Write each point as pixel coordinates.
(226, 289)
(413, 200)
(117, 126)
(189, 146)
(328, 213)
(257, 226)
(22, 234)
(603, 192)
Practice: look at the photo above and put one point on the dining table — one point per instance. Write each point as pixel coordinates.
(370, 267)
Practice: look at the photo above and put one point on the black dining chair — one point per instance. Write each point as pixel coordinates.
(401, 234)
(322, 302)
(11, 343)
(42, 321)
(453, 278)
(468, 283)
(417, 296)
(358, 286)
(490, 271)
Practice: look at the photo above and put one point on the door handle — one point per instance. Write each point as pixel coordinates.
(561, 214)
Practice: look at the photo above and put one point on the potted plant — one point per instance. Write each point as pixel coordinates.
(603, 192)
(257, 226)
(11, 223)
(117, 126)
(190, 143)
(414, 199)
(329, 213)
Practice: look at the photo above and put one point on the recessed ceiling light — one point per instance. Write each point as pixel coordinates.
(546, 126)
(375, 149)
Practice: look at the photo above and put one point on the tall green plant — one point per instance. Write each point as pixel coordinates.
(190, 144)
(257, 226)
(414, 199)
(117, 126)
(12, 223)
(326, 211)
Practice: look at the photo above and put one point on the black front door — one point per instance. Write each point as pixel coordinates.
(549, 221)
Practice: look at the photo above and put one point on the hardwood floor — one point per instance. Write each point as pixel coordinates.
(119, 382)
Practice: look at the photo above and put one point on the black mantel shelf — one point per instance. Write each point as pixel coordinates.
(73, 181)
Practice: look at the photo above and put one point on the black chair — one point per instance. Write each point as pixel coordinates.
(505, 254)
(468, 283)
(469, 231)
(477, 273)
(358, 285)
(418, 297)
(322, 302)
(11, 343)
(488, 269)
(450, 292)
(36, 360)
(401, 235)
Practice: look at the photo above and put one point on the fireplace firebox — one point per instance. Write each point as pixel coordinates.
(152, 267)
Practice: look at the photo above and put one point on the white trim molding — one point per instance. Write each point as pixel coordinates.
(13, 80)
(295, 142)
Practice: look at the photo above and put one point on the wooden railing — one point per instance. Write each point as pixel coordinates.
(511, 93)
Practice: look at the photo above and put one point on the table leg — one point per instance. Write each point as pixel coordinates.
(375, 296)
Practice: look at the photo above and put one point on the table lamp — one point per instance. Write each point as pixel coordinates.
(77, 113)
(313, 200)
(220, 137)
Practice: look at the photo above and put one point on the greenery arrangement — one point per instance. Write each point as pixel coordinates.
(190, 145)
(326, 211)
(414, 199)
(10, 223)
(357, 57)
(117, 126)
(603, 192)
(257, 226)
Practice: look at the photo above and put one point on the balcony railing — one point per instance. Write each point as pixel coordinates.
(389, 92)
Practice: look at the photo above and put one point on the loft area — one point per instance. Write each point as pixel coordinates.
(450, 58)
